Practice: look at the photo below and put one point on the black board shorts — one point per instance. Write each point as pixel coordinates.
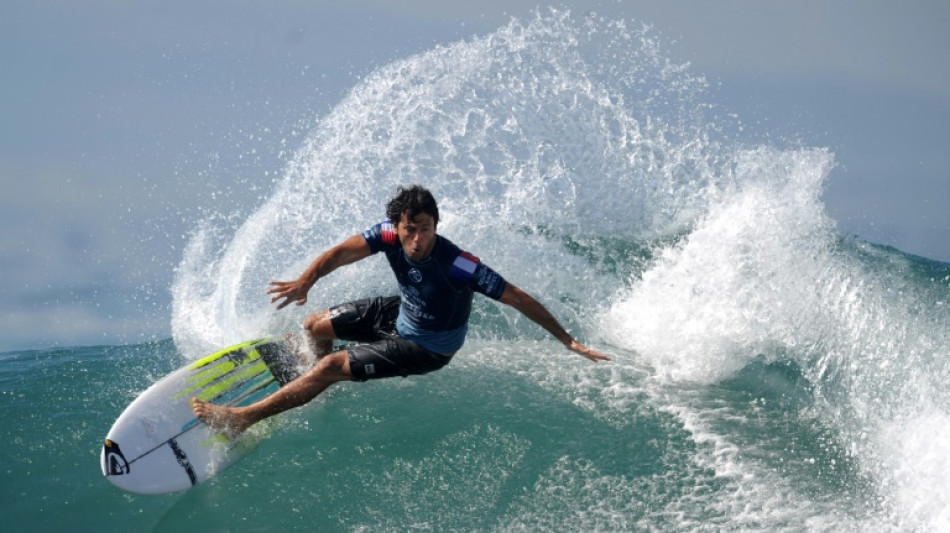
(382, 352)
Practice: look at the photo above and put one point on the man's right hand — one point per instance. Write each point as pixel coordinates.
(291, 291)
(349, 251)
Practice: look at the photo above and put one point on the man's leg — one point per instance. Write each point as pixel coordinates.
(320, 333)
(329, 370)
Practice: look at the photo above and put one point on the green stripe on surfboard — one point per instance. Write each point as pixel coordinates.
(217, 355)
(206, 377)
(207, 393)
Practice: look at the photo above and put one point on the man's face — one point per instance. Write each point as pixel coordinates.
(417, 236)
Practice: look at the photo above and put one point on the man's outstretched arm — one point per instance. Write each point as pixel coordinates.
(349, 251)
(533, 309)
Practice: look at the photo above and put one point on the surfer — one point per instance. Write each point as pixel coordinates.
(414, 333)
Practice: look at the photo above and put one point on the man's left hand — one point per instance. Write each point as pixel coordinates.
(593, 355)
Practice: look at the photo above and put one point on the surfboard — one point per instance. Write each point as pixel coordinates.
(157, 445)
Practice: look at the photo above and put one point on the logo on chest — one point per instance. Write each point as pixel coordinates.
(415, 275)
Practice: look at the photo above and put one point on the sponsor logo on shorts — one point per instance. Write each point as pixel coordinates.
(370, 369)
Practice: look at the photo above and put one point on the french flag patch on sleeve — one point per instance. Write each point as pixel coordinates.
(464, 266)
(388, 233)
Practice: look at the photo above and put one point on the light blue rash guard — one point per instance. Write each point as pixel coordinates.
(436, 293)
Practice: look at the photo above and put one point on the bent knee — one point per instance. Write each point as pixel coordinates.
(319, 325)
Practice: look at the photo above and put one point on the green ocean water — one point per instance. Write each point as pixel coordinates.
(475, 447)
(513, 435)
(769, 373)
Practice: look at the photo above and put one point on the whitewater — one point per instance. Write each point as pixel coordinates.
(769, 373)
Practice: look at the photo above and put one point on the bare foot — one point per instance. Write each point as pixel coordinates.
(220, 417)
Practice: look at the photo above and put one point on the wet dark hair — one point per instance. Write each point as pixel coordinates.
(415, 200)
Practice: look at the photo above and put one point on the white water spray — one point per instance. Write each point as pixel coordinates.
(575, 158)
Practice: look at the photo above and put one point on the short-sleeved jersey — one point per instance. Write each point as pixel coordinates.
(436, 293)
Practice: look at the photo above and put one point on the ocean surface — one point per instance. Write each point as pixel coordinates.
(769, 373)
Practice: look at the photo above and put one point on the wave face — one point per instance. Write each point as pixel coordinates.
(769, 373)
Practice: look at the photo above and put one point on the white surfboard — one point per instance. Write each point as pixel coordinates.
(157, 445)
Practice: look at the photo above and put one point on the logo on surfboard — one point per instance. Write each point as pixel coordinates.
(116, 465)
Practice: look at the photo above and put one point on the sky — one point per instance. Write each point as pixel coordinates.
(124, 123)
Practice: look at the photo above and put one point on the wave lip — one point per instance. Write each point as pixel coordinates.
(743, 281)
